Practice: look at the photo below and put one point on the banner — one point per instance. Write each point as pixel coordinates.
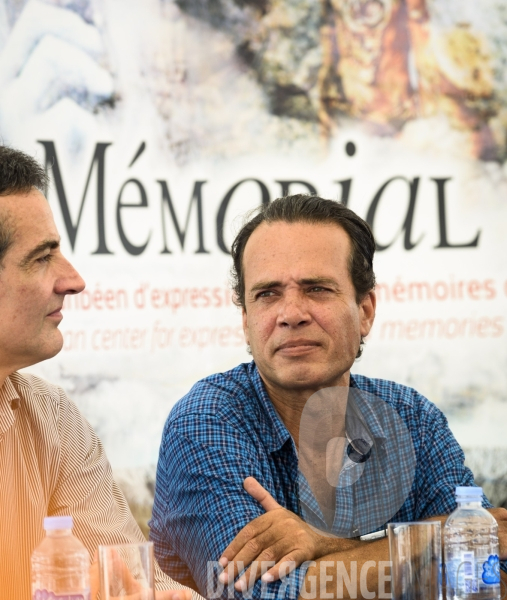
(162, 123)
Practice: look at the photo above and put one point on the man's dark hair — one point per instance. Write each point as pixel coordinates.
(19, 173)
(304, 208)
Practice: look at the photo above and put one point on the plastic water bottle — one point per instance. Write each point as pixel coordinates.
(471, 549)
(60, 564)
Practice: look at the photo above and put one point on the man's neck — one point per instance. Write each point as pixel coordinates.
(289, 404)
(11, 364)
(3, 377)
(325, 415)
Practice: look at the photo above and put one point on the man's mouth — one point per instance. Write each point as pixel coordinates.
(56, 313)
(297, 346)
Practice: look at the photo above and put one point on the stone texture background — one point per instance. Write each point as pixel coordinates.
(489, 466)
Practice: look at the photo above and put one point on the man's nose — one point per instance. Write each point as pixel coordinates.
(69, 281)
(294, 310)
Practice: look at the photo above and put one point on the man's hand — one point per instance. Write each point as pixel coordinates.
(174, 595)
(166, 595)
(184, 594)
(279, 537)
(94, 576)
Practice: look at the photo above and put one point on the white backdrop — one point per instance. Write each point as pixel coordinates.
(163, 122)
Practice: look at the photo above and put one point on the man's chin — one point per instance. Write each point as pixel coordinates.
(302, 377)
(50, 348)
(306, 376)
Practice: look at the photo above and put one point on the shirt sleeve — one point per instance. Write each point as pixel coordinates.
(441, 468)
(440, 465)
(200, 504)
(86, 490)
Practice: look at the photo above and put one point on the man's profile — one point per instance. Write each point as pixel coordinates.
(51, 461)
(303, 277)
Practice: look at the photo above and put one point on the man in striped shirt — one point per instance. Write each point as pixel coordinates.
(51, 461)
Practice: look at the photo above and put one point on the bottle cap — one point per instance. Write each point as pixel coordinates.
(51, 523)
(470, 494)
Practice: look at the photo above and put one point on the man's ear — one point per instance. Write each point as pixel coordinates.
(367, 308)
(245, 324)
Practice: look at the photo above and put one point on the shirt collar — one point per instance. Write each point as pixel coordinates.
(9, 401)
(361, 404)
(274, 431)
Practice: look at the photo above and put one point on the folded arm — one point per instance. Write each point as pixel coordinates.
(339, 568)
(200, 503)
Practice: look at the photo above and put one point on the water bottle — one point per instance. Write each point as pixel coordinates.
(471, 549)
(60, 564)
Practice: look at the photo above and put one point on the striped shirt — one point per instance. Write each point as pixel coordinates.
(52, 463)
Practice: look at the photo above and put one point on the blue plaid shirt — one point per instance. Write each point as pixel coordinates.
(226, 429)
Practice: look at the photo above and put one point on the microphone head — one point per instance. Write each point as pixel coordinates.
(356, 462)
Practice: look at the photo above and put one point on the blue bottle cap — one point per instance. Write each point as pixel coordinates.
(470, 493)
(52, 523)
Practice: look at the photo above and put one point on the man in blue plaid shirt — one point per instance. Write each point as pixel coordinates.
(229, 492)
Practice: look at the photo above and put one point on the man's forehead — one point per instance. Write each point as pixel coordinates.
(18, 203)
(6, 215)
(272, 229)
(315, 241)
(27, 217)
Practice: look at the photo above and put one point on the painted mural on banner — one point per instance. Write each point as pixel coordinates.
(163, 122)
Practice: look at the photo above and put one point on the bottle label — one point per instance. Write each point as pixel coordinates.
(469, 579)
(491, 570)
(47, 595)
(468, 574)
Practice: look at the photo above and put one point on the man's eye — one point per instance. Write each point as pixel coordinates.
(45, 258)
(265, 294)
(318, 288)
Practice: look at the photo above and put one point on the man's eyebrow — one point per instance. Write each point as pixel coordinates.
(264, 285)
(318, 280)
(45, 245)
